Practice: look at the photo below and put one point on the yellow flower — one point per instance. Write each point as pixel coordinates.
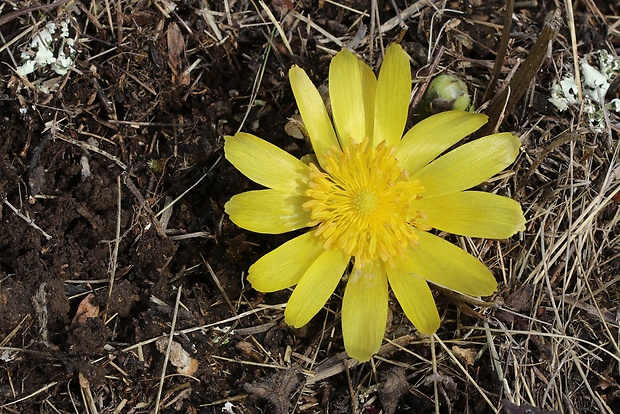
(370, 200)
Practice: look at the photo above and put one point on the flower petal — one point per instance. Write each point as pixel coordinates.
(444, 264)
(364, 311)
(264, 163)
(369, 87)
(435, 134)
(472, 213)
(392, 98)
(416, 299)
(313, 113)
(283, 267)
(346, 95)
(315, 287)
(469, 164)
(268, 211)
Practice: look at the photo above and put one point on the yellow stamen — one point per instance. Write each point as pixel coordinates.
(360, 203)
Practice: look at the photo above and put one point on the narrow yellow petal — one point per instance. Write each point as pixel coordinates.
(268, 211)
(346, 95)
(392, 98)
(416, 299)
(369, 86)
(364, 311)
(313, 113)
(315, 287)
(283, 267)
(435, 134)
(472, 213)
(264, 163)
(444, 264)
(469, 164)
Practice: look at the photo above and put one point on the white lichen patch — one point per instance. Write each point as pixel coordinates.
(50, 47)
(597, 71)
(564, 93)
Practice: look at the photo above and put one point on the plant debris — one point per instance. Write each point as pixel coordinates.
(278, 389)
(113, 183)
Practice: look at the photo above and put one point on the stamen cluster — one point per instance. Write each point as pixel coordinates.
(360, 203)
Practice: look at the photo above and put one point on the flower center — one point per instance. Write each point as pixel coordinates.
(360, 203)
(365, 201)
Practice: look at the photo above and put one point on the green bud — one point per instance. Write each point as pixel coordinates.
(444, 93)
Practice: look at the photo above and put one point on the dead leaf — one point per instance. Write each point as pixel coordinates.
(176, 55)
(85, 310)
(277, 389)
(179, 357)
(248, 350)
(521, 299)
(394, 387)
(466, 354)
(295, 127)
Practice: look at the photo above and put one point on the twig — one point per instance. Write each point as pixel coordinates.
(410, 11)
(14, 15)
(501, 51)
(506, 100)
(39, 391)
(27, 220)
(93, 149)
(189, 235)
(117, 241)
(354, 408)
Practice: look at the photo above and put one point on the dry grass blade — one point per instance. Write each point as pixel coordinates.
(31, 395)
(318, 28)
(570, 17)
(117, 241)
(278, 27)
(232, 308)
(167, 355)
(87, 395)
(154, 86)
(411, 11)
(467, 374)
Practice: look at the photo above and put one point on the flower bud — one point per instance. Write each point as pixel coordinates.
(444, 93)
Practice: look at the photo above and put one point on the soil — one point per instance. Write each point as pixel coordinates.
(87, 169)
